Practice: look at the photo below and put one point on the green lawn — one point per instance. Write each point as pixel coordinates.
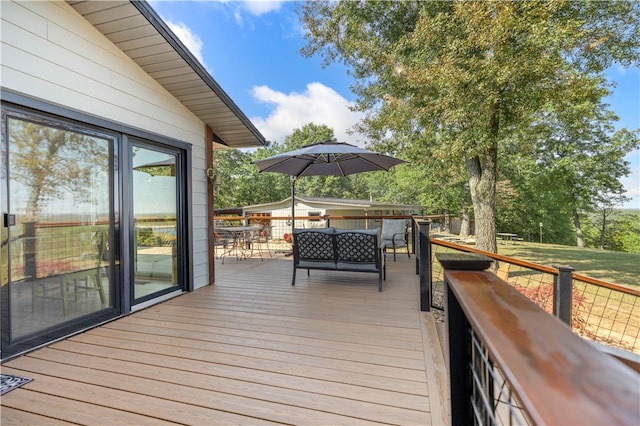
(612, 266)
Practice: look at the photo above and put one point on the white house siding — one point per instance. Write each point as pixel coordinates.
(51, 53)
(280, 227)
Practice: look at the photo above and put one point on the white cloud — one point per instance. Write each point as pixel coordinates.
(189, 39)
(252, 7)
(260, 7)
(318, 104)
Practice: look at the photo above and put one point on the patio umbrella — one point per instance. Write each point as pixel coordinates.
(166, 167)
(325, 159)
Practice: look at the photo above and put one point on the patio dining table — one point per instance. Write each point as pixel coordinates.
(506, 237)
(240, 238)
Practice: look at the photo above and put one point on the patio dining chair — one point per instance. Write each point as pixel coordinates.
(224, 243)
(394, 235)
(264, 237)
(253, 242)
(70, 285)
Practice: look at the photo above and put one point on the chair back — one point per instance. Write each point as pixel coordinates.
(391, 227)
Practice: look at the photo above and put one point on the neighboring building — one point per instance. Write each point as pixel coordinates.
(312, 212)
(108, 128)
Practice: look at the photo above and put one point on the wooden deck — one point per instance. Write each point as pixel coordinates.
(250, 350)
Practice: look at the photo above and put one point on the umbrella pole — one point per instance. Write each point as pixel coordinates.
(293, 204)
(293, 210)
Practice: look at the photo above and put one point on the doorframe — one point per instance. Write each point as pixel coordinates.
(211, 255)
(184, 202)
(122, 304)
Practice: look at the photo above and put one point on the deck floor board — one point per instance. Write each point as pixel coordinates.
(251, 349)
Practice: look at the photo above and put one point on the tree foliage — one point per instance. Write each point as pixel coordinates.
(242, 185)
(51, 162)
(574, 156)
(470, 74)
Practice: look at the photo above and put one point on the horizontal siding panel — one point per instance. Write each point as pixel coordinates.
(111, 108)
(24, 18)
(61, 14)
(22, 47)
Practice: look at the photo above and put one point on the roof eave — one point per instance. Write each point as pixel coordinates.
(123, 21)
(154, 19)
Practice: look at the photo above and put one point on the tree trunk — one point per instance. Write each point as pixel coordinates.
(482, 172)
(576, 223)
(464, 226)
(603, 229)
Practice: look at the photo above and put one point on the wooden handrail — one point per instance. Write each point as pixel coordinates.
(496, 256)
(611, 286)
(557, 376)
(536, 267)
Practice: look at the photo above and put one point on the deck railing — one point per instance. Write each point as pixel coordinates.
(597, 310)
(510, 362)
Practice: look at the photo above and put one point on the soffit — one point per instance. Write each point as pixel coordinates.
(140, 33)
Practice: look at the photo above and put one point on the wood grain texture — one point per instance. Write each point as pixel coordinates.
(250, 349)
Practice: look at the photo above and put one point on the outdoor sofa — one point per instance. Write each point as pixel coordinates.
(332, 249)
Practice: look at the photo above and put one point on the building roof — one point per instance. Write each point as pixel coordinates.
(336, 202)
(140, 33)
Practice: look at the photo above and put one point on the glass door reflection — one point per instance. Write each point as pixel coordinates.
(155, 260)
(56, 258)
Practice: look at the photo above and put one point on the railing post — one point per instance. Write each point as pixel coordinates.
(414, 231)
(562, 293)
(459, 337)
(29, 249)
(424, 265)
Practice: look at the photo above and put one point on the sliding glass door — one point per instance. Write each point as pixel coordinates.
(95, 224)
(156, 221)
(57, 207)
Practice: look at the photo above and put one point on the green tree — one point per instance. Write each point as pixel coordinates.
(581, 156)
(240, 183)
(525, 198)
(606, 212)
(474, 73)
(243, 185)
(51, 161)
(626, 235)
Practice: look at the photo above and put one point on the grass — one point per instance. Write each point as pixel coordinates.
(612, 266)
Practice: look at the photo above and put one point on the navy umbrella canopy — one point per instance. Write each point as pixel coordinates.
(327, 159)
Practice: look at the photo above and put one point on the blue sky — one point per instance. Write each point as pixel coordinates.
(251, 48)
